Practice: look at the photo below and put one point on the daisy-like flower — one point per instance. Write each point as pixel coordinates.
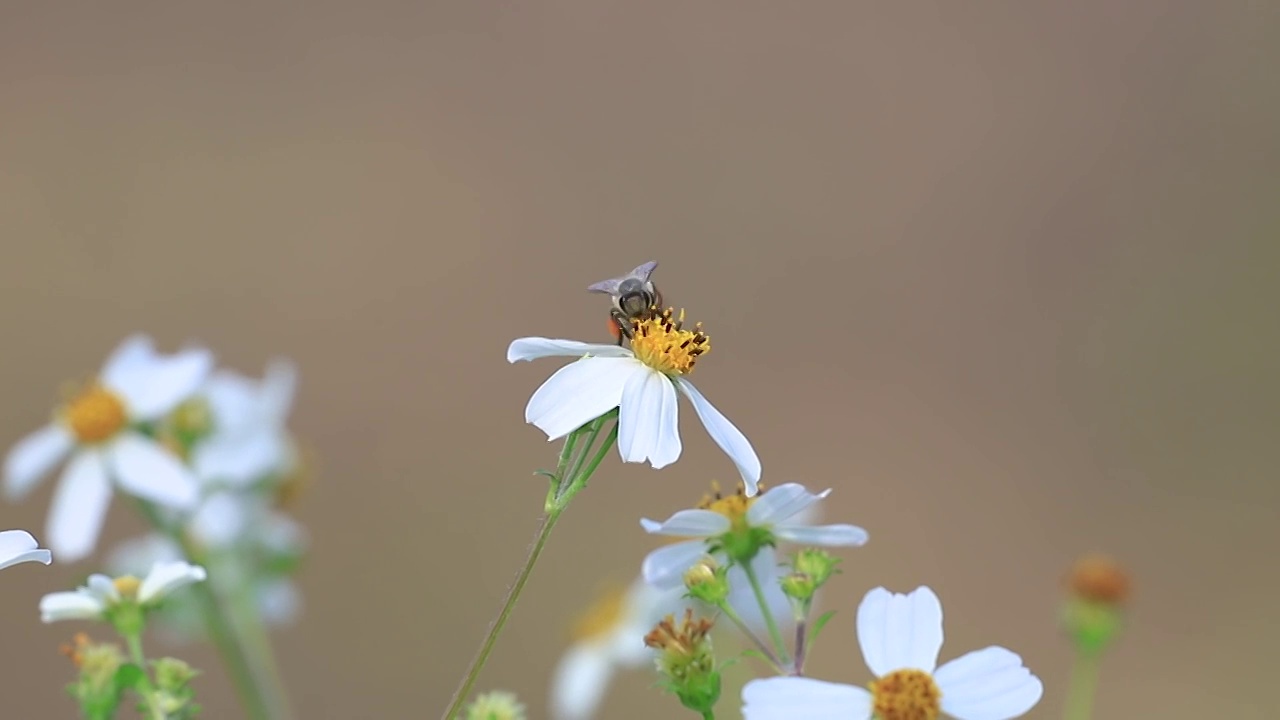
(900, 637)
(99, 429)
(740, 527)
(101, 595)
(610, 636)
(250, 440)
(17, 546)
(641, 382)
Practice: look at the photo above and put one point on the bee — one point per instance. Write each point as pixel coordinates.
(634, 297)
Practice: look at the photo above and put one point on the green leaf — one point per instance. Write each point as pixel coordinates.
(818, 625)
(128, 677)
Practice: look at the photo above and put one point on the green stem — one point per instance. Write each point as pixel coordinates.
(235, 657)
(742, 627)
(708, 715)
(798, 669)
(579, 481)
(1084, 681)
(134, 642)
(508, 604)
(254, 640)
(774, 633)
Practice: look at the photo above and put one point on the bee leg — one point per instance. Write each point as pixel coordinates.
(623, 323)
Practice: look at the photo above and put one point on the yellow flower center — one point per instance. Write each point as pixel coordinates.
(127, 586)
(906, 695)
(96, 414)
(733, 506)
(602, 617)
(661, 342)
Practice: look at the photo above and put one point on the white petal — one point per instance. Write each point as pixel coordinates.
(69, 606)
(579, 684)
(33, 457)
(664, 567)
(828, 535)
(79, 506)
(279, 602)
(220, 520)
(167, 381)
(101, 587)
(164, 578)
(728, 437)
(145, 469)
(689, 523)
(781, 503)
(137, 555)
(239, 460)
(233, 402)
(987, 684)
(532, 348)
(898, 632)
(579, 393)
(17, 546)
(789, 698)
(128, 366)
(279, 385)
(647, 420)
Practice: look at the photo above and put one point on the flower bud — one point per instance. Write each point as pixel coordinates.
(495, 705)
(1097, 590)
(687, 661)
(706, 581)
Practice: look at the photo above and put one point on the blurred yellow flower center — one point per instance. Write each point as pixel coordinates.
(127, 586)
(602, 617)
(733, 506)
(906, 695)
(661, 342)
(96, 414)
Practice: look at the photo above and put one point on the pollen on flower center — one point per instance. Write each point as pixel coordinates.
(127, 585)
(660, 341)
(906, 695)
(733, 506)
(601, 617)
(96, 414)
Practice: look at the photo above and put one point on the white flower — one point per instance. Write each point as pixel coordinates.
(641, 381)
(782, 513)
(900, 637)
(17, 546)
(101, 593)
(611, 636)
(250, 441)
(96, 428)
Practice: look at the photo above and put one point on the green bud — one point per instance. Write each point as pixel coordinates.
(799, 586)
(706, 581)
(173, 674)
(1091, 625)
(495, 705)
(819, 565)
(687, 661)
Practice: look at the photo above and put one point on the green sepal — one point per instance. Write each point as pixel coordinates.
(817, 626)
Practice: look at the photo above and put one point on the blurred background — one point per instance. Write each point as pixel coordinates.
(1002, 275)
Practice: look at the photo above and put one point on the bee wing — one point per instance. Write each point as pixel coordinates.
(611, 285)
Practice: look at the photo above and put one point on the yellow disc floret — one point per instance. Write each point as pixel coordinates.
(96, 414)
(906, 695)
(127, 586)
(661, 342)
(733, 506)
(604, 616)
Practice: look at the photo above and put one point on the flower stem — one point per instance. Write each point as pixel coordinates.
(798, 668)
(134, 641)
(473, 672)
(251, 633)
(774, 633)
(235, 657)
(1084, 681)
(742, 627)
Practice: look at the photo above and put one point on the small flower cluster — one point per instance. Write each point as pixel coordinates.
(723, 559)
(207, 458)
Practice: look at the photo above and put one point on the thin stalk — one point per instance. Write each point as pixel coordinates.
(774, 633)
(1084, 682)
(580, 481)
(742, 627)
(253, 638)
(508, 604)
(798, 670)
(134, 643)
(234, 655)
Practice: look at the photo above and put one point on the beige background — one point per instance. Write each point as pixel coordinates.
(1002, 274)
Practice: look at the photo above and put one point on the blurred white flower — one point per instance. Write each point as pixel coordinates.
(18, 546)
(250, 441)
(900, 637)
(641, 381)
(610, 636)
(98, 429)
(740, 522)
(101, 593)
